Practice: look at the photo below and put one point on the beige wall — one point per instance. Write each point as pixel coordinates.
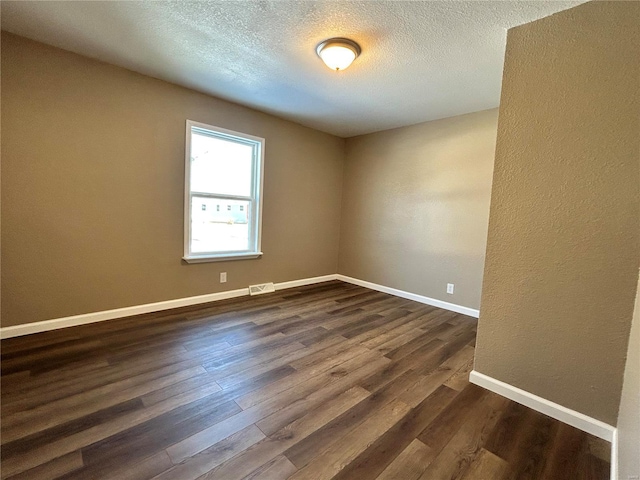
(562, 255)
(92, 189)
(415, 206)
(629, 416)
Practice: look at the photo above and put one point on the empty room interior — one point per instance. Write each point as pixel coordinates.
(320, 240)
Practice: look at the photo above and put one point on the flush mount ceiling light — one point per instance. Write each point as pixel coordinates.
(338, 53)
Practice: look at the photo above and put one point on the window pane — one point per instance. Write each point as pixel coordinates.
(220, 166)
(219, 225)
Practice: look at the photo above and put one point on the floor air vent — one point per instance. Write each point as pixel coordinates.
(262, 288)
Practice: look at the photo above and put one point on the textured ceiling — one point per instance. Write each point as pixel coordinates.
(420, 60)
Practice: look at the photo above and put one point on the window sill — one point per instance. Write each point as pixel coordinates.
(221, 258)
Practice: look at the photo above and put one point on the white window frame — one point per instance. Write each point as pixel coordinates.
(255, 199)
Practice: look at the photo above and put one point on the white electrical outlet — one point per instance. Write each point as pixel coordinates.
(450, 288)
(223, 277)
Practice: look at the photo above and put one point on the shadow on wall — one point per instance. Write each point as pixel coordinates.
(416, 205)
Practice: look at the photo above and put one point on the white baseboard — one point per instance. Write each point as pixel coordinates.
(614, 455)
(542, 405)
(85, 318)
(305, 281)
(93, 317)
(472, 312)
(554, 410)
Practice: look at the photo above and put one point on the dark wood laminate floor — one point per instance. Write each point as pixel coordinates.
(318, 382)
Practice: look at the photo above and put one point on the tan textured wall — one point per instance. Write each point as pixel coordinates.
(415, 206)
(92, 189)
(562, 255)
(629, 417)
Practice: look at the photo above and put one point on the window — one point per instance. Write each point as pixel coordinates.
(222, 167)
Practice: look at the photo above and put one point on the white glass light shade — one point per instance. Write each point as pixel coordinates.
(338, 53)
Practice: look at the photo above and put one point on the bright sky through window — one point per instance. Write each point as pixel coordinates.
(222, 195)
(220, 166)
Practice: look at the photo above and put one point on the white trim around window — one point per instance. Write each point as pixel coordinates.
(253, 201)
